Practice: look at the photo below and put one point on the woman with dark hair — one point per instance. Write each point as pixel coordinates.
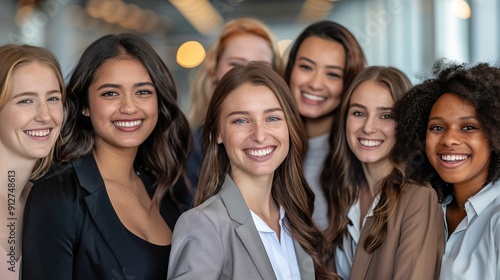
(382, 226)
(448, 136)
(253, 206)
(323, 61)
(31, 110)
(109, 209)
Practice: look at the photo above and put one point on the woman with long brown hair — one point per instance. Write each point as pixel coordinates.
(252, 218)
(382, 226)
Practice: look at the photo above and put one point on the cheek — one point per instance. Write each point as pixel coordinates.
(350, 128)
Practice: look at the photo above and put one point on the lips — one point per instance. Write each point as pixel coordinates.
(38, 132)
(260, 152)
(127, 123)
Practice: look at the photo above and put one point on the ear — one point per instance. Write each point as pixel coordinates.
(85, 112)
(219, 139)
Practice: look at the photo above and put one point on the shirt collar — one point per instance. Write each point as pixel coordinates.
(262, 226)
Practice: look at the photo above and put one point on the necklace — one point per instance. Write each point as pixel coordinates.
(134, 193)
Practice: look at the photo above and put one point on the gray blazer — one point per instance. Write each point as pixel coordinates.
(218, 240)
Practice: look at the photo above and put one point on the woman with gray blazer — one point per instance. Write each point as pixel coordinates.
(253, 211)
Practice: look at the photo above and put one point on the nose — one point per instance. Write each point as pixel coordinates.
(128, 105)
(316, 82)
(258, 132)
(450, 138)
(43, 113)
(369, 126)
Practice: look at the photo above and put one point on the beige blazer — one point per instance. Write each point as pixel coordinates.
(219, 240)
(414, 244)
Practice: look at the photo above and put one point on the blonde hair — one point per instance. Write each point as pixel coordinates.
(205, 79)
(13, 56)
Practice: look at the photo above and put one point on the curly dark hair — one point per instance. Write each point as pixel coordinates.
(478, 86)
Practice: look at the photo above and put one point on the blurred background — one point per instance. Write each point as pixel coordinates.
(408, 34)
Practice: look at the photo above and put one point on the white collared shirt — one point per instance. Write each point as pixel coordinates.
(472, 251)
(345, 256)
(281, 254)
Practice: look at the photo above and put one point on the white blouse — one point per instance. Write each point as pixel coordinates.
(472, 251)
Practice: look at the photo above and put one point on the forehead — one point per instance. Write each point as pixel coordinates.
(451, 105)
(247, 46)
(324, 50)
(249, 97)
(370, 93)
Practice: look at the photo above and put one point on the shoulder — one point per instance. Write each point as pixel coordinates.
(411, 192)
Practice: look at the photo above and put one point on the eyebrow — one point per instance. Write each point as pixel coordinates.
(312, 62)
(364, 107)
(33, 94)
(464, 118)
(119, 86)
(267, 111)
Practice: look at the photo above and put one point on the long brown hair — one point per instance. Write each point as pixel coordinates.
(164, 152)
(13, 56)
(290, 188)
(204, 81)
(343, 175)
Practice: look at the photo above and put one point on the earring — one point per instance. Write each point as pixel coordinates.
(85, 112)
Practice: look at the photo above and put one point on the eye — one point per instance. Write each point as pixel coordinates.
(470, 127)
(333, 75)
(436, 128)
(54, 99)
(273, 119)
(25, 101)
(240, 121)
(144, 92)
(305, 67)
(109, 94)
(386, 117)
(358, 114)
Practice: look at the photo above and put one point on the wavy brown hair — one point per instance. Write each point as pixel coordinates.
(290, 189)
(343, 174)
(204, 81)
(164, 152)
(478, 86)
(13, 56)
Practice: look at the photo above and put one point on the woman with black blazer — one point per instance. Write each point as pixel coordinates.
(108, 210)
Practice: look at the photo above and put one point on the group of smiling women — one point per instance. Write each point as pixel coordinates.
(314, 167)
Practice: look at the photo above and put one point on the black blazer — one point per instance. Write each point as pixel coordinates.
(71, 230)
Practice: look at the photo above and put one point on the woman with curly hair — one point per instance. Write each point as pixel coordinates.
(252, 218)
(448, 136)
(382, 226)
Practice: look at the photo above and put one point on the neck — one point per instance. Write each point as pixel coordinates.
(115, 163)
(463, 192)
(257, 193)
(318, 126)
(375, 172)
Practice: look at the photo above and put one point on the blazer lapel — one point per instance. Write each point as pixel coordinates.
(361, 258)
(306, 265)
(105, 218)
(246, 231)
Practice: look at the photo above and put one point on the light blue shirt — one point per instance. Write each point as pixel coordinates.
(281, 254)
(472, 251)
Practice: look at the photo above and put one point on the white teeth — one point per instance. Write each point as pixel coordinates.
(128, 124)
(370, 143)
(260, 153)
(313, 97)
(38, 133)
(454, 157)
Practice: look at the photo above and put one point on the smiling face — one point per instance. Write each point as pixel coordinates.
(317, 79)
(370, 128)
(253, 130)
(456, 144)
(33, 113)
(123, 104)
(242, 49)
